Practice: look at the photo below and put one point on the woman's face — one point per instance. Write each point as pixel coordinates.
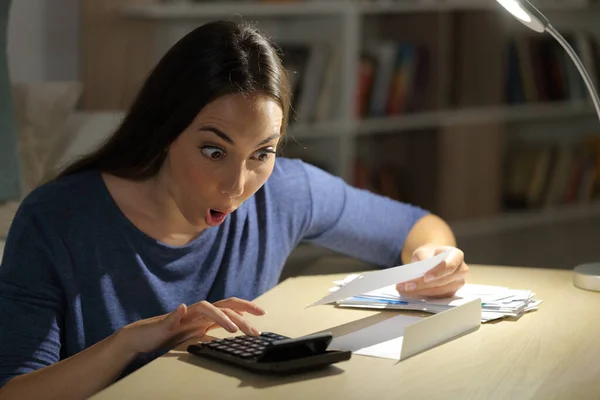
(223, 157)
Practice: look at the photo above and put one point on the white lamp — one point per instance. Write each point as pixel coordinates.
(586, 276)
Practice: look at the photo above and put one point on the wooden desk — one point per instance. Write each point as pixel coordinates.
(552, 353)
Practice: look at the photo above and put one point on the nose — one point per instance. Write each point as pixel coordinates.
(233, 181)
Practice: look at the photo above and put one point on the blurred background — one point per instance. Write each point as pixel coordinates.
(451, 105)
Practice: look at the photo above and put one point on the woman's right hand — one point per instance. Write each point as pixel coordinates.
(185, 323)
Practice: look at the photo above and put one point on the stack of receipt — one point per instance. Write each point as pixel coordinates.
(497, 302)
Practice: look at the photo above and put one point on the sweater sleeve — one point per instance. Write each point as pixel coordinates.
(357, 222)
(31, 300)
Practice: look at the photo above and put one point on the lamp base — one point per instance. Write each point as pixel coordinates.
(587, 276)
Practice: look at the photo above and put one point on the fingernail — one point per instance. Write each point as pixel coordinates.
(429, 278)
(255, 331)
(410, 286)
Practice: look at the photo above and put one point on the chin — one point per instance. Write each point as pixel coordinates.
(196, 220)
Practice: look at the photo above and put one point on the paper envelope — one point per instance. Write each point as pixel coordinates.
(378, 279)
(404, 336)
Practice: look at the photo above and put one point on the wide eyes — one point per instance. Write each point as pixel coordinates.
(263, 154)
(215, 153)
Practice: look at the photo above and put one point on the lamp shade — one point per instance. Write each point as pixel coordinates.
(525, 12)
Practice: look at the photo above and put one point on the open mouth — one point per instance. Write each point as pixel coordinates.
(214, 217)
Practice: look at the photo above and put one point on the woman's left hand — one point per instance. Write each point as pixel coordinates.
(441, 281)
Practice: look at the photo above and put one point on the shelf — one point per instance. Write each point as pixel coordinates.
(313, 8)
(472, 116)
(225, 8)
(381, 7)
(438, 119)
(326, 129)
(508, 221)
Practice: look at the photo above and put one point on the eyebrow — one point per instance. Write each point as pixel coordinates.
(226, 138)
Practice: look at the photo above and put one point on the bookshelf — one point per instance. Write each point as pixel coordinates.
(204, 9)
(450, 144)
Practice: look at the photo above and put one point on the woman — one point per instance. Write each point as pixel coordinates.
(179, 220)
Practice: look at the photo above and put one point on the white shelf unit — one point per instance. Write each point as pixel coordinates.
(333, 143)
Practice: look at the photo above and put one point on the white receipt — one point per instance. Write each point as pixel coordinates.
(378, 279)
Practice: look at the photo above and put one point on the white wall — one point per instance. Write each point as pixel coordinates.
(43, 40)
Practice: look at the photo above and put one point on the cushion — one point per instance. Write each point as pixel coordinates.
(41, 110)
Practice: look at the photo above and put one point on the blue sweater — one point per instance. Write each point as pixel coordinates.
(75, 269)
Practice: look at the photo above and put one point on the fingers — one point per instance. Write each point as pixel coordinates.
(447, 267)
(195, 330)
(439, 272)
(417, 286)
(212, 313)
(240, 305)
(443, 291)
(241, 323)
(226, 313)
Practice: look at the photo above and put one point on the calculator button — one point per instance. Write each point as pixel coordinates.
(273, 335)
(246, 355)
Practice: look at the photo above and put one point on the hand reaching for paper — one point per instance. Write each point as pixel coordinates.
(441, 281)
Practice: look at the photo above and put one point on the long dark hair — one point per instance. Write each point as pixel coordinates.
(214, 60)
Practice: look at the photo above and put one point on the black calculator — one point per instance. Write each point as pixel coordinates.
(272, 353)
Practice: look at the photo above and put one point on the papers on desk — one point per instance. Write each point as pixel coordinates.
(405, 335)
(368, 281)
(496, 301)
